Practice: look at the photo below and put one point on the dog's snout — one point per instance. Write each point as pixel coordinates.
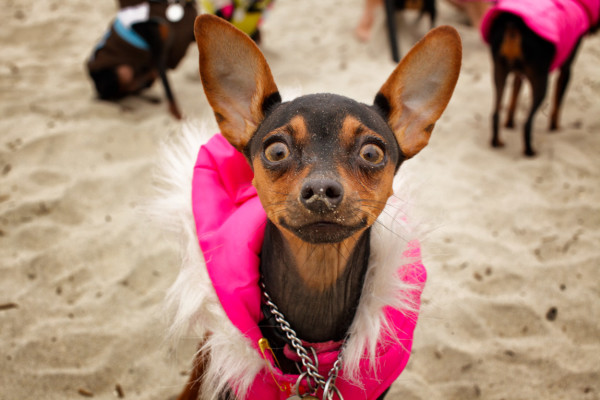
(321, 195)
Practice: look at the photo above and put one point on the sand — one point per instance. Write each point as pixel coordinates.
(511, 309)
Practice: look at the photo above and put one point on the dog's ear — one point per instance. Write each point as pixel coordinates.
(417, 92)
(236, 78)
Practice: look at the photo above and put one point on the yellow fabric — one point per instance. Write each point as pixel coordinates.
(248, 22)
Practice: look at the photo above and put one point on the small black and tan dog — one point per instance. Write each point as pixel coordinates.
(530, 49)
(323, 169)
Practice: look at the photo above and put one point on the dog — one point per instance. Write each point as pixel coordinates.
(365, 24)
(294, 275)
(145, 40)
(531, 39)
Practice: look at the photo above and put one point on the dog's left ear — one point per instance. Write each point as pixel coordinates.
(236, 77)
(419, 89)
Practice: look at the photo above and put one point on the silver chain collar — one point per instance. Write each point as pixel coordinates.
(313, 378)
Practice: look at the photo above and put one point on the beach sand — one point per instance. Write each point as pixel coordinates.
(512, 305)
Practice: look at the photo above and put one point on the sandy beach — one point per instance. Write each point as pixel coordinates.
(511, 309)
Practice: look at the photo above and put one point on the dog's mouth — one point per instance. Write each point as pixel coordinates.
(324, 231)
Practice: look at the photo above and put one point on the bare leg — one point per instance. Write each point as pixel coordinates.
(475, 10)
(363, 29)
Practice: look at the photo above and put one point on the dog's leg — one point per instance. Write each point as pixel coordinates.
(500, 73)
(156, 35)
(561, 87)
(425, 7)
(510, 118)
(390, 17)
(430, 7)
(539, 85)
(192, 387)
(382, 397)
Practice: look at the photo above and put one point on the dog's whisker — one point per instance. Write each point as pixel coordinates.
(392, 231)
(278, 203)
(382, 204)
(394, 213)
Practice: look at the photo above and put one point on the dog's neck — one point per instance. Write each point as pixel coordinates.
(316, 286)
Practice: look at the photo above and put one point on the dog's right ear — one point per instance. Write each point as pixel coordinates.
(236, 77)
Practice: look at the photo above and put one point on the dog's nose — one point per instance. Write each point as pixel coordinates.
(321, 195)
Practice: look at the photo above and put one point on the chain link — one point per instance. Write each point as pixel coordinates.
(312, 368)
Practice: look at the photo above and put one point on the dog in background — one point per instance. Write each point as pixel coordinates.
(146, 39)
(531, 39)
(365, 24)
(285, 203)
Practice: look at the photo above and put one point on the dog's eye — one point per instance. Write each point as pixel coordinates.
(277, 151)
(371, 153)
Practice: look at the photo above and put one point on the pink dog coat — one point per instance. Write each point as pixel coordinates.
(230, 223)
(561, 22)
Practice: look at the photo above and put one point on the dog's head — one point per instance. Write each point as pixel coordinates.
(324, 164)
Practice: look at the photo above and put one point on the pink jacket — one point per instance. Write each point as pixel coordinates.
(561, 22)
(230, 225)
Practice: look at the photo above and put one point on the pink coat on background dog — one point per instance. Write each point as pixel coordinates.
(230, 222)
(561, 22)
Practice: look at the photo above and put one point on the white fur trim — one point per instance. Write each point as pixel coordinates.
(195, 308)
